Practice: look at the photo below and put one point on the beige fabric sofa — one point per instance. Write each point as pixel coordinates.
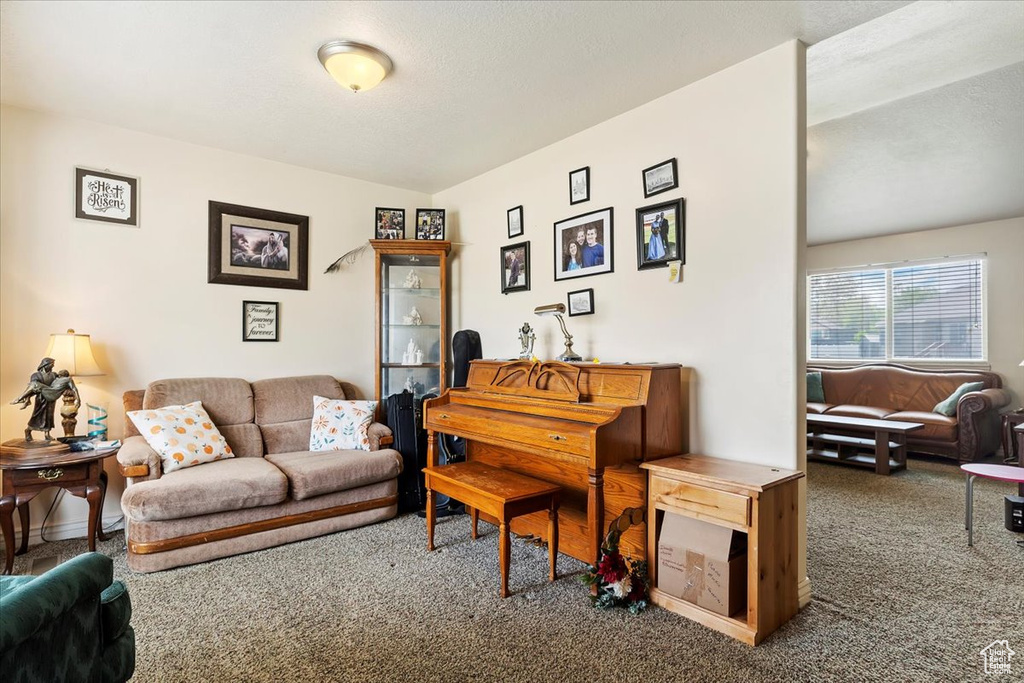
(273, 491)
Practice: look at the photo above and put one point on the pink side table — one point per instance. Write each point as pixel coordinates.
(998, 472)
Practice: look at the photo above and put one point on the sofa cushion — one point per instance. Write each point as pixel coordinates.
(848, 410)
(895, 386)
(288, 399)
(947, 406)
(227, 400)
(183, 436)
(215, 487)
(818, 408)
(286, 437)
(314, 474)
(245, 440)
(815, 392)
(936, 426)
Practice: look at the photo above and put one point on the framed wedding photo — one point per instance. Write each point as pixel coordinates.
(581, 302)
(258, 247)
(660, 178)
(583, 245)
(106, 197)
(430, 224)
(660, 235)
(390, 224)
(515, 222)
(515, 268)
(579, 185)
(259, 321)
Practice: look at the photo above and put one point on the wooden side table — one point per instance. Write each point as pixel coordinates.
(80, 474)
(1009, 422)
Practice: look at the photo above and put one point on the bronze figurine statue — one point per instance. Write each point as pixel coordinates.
(47, 387)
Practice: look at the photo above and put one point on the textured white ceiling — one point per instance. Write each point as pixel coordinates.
(476, 84)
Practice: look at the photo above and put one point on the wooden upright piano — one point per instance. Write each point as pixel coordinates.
(585, 427)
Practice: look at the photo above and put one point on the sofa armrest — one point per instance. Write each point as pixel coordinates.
(380, 436)
(977, 418)
(137, 460)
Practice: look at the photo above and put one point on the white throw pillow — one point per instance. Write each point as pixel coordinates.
(183, 436)
(340, 425)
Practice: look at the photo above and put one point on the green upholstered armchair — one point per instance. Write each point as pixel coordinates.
(70, 624)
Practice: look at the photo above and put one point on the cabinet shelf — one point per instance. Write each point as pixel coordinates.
(411, 367)
(403, 326)
(414, 290)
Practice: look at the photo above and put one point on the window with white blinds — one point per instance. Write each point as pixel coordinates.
(907, 312)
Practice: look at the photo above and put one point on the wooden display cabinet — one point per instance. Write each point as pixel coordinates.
(411, 312)
(756, 500)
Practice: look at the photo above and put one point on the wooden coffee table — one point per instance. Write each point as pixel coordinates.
(887, 437)
(80, 474)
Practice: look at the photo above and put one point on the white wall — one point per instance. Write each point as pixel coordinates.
(1002, 241)
(143, 293)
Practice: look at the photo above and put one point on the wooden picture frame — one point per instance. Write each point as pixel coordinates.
(580, 302)
(660, 178)
(106, 197)
(430, 224)
(514, 219)
(258, 247)
(515, 277)
(388, 224)
(579, 185)
(583, 244)
(260, 321)
(666, 223)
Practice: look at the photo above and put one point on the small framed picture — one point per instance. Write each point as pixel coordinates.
(660, 235)
(258, 247)
(259, 321)
(581, 302)
(583, 245)
(515, 222)
(515, 268)
(390, 224)
(106, 197)
(430, 224)
(579, 185)
(660, 178)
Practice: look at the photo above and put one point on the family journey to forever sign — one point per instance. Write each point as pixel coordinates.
(259, 321)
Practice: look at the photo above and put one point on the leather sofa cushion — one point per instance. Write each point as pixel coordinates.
(289, 399)
(212, 487)
(870, 412)
(227, 400)
(818, 408)
(314, 474)
(938, 427)
(897, 387)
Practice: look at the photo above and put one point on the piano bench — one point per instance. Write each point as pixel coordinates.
(502, 494)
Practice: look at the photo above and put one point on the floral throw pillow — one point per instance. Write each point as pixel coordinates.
(183, 436)
(340, 425)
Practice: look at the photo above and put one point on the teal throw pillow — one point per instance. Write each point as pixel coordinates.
(948, 407)
(815, 391)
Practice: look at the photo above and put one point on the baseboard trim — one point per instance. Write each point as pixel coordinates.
(66, 530)
(803, 590)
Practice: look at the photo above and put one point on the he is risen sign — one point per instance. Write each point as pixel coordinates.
(106, 197)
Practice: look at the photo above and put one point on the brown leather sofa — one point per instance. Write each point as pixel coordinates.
(887, 391)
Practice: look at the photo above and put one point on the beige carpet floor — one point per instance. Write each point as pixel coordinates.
(897, 596)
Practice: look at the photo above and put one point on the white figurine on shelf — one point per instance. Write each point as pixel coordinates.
(412, 280)
(411, 352)
(419, 357)
(414, 318)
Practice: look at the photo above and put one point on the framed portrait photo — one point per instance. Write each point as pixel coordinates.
(515, 268)
(581, 302)
(259, 321)
(106, 197)
(579, 185)
(515, 221)
(660, 178)
(430, 224)
(660, 235)
(258, 247)
(389, 224)
(583, 245)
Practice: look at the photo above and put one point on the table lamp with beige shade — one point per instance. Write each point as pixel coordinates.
(72, 352)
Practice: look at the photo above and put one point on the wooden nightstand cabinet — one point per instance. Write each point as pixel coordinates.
(756, 500)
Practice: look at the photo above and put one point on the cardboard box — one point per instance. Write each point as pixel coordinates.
(703, 563)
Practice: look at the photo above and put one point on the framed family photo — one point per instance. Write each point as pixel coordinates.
(106, 197)
(430, 224)
(515, 268)
(581, 302)
(579, 185)
(660, 235)
(389, 224)
(583, 245)
(660, 178)
(259, 321)
(515, 222)
(258, 247)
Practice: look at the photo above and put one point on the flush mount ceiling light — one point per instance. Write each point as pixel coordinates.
(353, 65)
